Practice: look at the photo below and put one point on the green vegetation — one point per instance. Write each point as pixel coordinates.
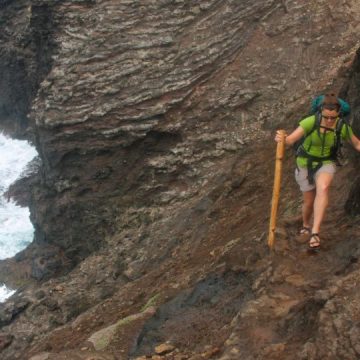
(151, 302)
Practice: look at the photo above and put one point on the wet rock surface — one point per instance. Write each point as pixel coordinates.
(153, 122)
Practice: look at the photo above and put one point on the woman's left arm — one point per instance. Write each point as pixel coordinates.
(355, 142)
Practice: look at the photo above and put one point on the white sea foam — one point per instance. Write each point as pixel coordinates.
(16, 230)
(5, 293)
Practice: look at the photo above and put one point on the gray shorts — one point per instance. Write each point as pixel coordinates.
(302, 173)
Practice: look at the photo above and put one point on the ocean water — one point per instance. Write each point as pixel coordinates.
(16, 230)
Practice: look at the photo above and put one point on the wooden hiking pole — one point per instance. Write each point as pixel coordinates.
(280, 150)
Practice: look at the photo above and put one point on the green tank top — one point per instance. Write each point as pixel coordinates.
(319, 144)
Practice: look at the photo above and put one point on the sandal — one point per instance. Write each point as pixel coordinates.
(305, 231)
(314, 242)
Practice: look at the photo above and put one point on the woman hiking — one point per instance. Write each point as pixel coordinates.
(316, 160)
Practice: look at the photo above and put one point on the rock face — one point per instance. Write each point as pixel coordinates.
(26, 46)
(151, 121)
(134, 111)
(352, 205)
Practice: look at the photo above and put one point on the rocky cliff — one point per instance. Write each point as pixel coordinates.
(153, 121)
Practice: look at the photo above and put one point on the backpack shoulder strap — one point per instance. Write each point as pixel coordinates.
(316, 125)
(340, 125)
(299, 145)
(338, 140)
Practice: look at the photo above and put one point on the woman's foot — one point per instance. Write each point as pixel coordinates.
(305, 231)
(314, 242)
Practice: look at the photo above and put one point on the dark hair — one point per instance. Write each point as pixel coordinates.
(331, 102)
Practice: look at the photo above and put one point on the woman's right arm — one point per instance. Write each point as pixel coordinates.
(296, 135)
(355, 142)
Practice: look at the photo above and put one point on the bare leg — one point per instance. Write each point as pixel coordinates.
(323, 182)
(307, 207)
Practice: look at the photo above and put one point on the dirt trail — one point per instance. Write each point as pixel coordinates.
(221, 294)
(285, 313)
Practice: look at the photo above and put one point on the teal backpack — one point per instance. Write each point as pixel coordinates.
(317, 102)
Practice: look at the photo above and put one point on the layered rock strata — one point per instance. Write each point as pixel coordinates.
(150, 119)
(136, 95)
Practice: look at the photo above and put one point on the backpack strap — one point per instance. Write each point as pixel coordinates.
(338, 141)
(300, 146)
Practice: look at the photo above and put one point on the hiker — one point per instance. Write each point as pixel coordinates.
(316, 159)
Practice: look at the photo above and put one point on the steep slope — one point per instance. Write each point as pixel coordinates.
(151, 204)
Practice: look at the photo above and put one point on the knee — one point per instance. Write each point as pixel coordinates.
(322, 188)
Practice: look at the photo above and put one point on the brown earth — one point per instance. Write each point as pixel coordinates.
(223, 294)
(154, 123)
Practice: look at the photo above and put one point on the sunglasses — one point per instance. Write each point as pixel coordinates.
(329, 117)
